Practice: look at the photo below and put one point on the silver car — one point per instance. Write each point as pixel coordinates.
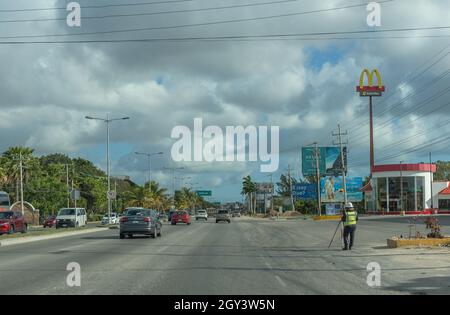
(140, 221)
(201, 214)
(223, 215)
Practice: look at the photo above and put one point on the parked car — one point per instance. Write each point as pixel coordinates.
(181, 217)
(12, 222)
(201, 214)
(140, 221)
(114, 218)
(50, 221)
(223, 215)
(71, 217)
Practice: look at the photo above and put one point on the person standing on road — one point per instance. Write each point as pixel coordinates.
(349, 219)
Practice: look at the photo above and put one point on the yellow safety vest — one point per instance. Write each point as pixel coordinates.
(350, 218)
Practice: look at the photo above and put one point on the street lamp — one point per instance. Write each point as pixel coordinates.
(107, 121)
(149, 156)
(173, 169)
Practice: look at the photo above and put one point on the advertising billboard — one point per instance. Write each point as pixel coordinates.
(332, 189)
(304, 191)
(329, 161)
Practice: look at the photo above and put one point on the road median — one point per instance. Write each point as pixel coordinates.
(8, 240)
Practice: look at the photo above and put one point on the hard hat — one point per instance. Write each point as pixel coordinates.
(348, 205)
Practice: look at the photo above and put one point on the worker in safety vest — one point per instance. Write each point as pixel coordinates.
(349, 218)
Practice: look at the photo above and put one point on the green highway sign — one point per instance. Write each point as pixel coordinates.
(204, 193)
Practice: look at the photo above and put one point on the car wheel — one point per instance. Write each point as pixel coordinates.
(217, 221)
(173, 223)
(122, 236)
(229, 221)
(24, 229)
(11, 229)
(189, 223)
(153, 235)
(76, 224)
(160, 232)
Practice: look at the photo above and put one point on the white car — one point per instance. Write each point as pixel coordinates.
(201, 214)
(114, 218)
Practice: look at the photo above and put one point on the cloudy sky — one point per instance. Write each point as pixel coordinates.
(303, 84)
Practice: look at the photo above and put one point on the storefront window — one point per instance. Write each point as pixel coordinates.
(394, 193)
(444, 204)
(409, 200)
(420, 193)
(381, 195)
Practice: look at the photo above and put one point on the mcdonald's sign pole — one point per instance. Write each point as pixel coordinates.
(370, 91)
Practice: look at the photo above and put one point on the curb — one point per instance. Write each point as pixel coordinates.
(30, 239)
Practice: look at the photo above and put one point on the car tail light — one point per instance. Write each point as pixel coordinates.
(123, 219)
(147, 219)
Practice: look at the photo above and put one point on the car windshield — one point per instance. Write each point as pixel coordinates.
(6, 215)
(137, 212)
(223, 212)
(181, 212)
(67, 212)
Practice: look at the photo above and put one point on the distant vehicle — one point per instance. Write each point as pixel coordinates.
(181, 217)
(5, 203)
(201, 214)
(114, 218)
(169, 216)
(71, 217)
(236, 214)
(50, 221)
(223, 215)
(12, 222)
(140, 221)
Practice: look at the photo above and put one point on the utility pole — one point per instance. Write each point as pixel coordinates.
(401, 187)
(339, 134)
(290, 187)
(67, 185)
(319, 200)
(431, 185)
(21, 183)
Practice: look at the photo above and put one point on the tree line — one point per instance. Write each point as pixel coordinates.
(49, 179)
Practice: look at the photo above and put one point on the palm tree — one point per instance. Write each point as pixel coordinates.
(157, 195)
(249, 189)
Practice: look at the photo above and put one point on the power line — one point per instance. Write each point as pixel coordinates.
(155, 13)
(248, 38)
(239, 21)
(96, 6)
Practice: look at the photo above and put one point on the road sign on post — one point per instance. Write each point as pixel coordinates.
(111, 194)
(204, 193)
(75, 194)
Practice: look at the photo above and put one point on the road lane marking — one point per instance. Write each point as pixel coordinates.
(281, 281)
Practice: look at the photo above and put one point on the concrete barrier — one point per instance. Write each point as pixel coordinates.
(395, 243)
(327, 218)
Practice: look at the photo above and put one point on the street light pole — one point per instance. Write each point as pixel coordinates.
(149, 156)
(173, 180)
(107, 121)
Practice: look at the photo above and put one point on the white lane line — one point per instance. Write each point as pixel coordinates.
(281, 281)
(162, 249)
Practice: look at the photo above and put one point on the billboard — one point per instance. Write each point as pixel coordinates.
(304, 191)
(329, 161)
(332, 189)
(264, 188)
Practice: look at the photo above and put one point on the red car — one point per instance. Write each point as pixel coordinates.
(181, 217)
(50, 221)
(11, 222)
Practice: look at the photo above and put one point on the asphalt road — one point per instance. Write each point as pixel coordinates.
(248, 256)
